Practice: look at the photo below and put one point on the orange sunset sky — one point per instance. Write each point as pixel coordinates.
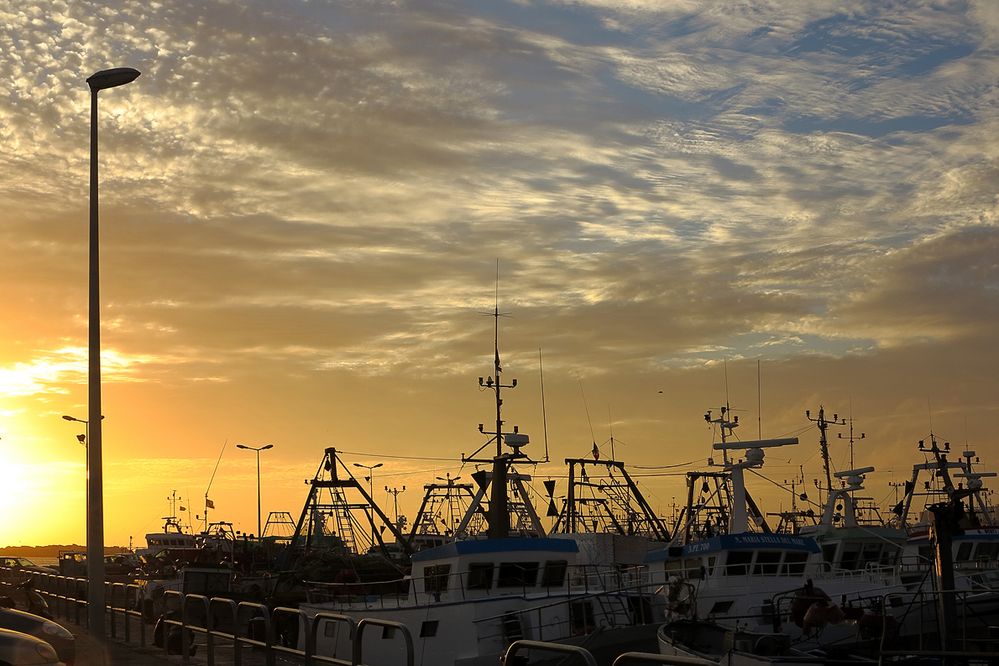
(303, 204)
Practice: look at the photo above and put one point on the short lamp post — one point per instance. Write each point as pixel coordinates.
(257, 451)
(108, 78)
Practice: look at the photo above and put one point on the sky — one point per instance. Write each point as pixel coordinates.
(303, 206)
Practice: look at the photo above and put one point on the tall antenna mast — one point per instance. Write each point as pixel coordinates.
(610, 426)
(544, 414)
(852, 439)
(498, 513)
(823, 425)
(208, 503)
(759, 400)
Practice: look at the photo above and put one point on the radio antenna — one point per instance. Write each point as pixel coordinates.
(208, 503)
(544, 414)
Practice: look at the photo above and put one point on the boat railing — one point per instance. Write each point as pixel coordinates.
(571, 615)
(581, 654)
(464, 585)
(913, 627)
(779, 609)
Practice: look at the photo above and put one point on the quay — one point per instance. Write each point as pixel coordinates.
(90, 653)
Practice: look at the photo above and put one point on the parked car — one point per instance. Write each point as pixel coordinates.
(24, 650)
(44, 629)
(22, 564)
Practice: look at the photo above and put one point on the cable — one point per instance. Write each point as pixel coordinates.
(385, 455)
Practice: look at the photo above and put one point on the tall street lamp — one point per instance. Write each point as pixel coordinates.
(85, 440)
(371, 477)
(257, 450)
(86, 426)
(108, 78)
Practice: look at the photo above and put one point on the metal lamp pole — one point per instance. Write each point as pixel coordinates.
(108, 78)
(257, 450)
(371, 477)
(85, 440)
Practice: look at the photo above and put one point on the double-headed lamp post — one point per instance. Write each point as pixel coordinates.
(108, 78)
(86, 427)
(371, 476)
(257, 451)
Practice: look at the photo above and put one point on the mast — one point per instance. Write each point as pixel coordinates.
(823, 425)
(498, 512)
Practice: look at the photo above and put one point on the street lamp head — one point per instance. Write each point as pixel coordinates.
(376, 465)
(242, 446)
(111, 78)
(266, 446)
(68, 417)
(358, 465)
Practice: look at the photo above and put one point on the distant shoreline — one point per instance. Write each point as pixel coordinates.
(53, 550)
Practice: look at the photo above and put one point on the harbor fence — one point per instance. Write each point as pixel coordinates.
(588, 659)
(223, 624)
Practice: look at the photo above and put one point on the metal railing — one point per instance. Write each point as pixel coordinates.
(216, 620)
(463, 585)
(589, 660)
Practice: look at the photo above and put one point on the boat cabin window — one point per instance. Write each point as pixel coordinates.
(721, 607)
(518, 574)
(987, 551)
(554, 574)
(435, 577)
(925, 554)
(794, 564)
(737, 563)
(711, 565)
(964, 552)
(850, 560)
(870, 555)
(829, 553)
(581, 617)
(767, 563)
(480, 576)
(889, 556)
(689, 567)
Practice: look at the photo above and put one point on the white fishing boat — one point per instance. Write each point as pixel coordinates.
(466, 601)
(725, 564)
(173, 536)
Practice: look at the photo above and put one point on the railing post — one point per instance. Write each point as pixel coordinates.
(268, 641)
(237, 653)
(312, 633)
(541, 646)
(367, 622)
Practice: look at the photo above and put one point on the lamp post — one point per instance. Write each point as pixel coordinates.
(108, 78)
(371, 476)
(86, 427)
(84, 439)
(394, 492)
(257, 451)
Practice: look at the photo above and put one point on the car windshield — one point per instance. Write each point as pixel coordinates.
(25, 562)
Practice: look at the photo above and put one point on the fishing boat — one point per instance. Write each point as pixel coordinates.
(725, 564)
(172, 539)
(465, 601)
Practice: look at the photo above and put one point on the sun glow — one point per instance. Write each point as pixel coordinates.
(41, 487)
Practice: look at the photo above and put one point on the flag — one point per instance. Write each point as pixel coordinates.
(209, 504)
(498, 368)
(596, 452)
(183, 508)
